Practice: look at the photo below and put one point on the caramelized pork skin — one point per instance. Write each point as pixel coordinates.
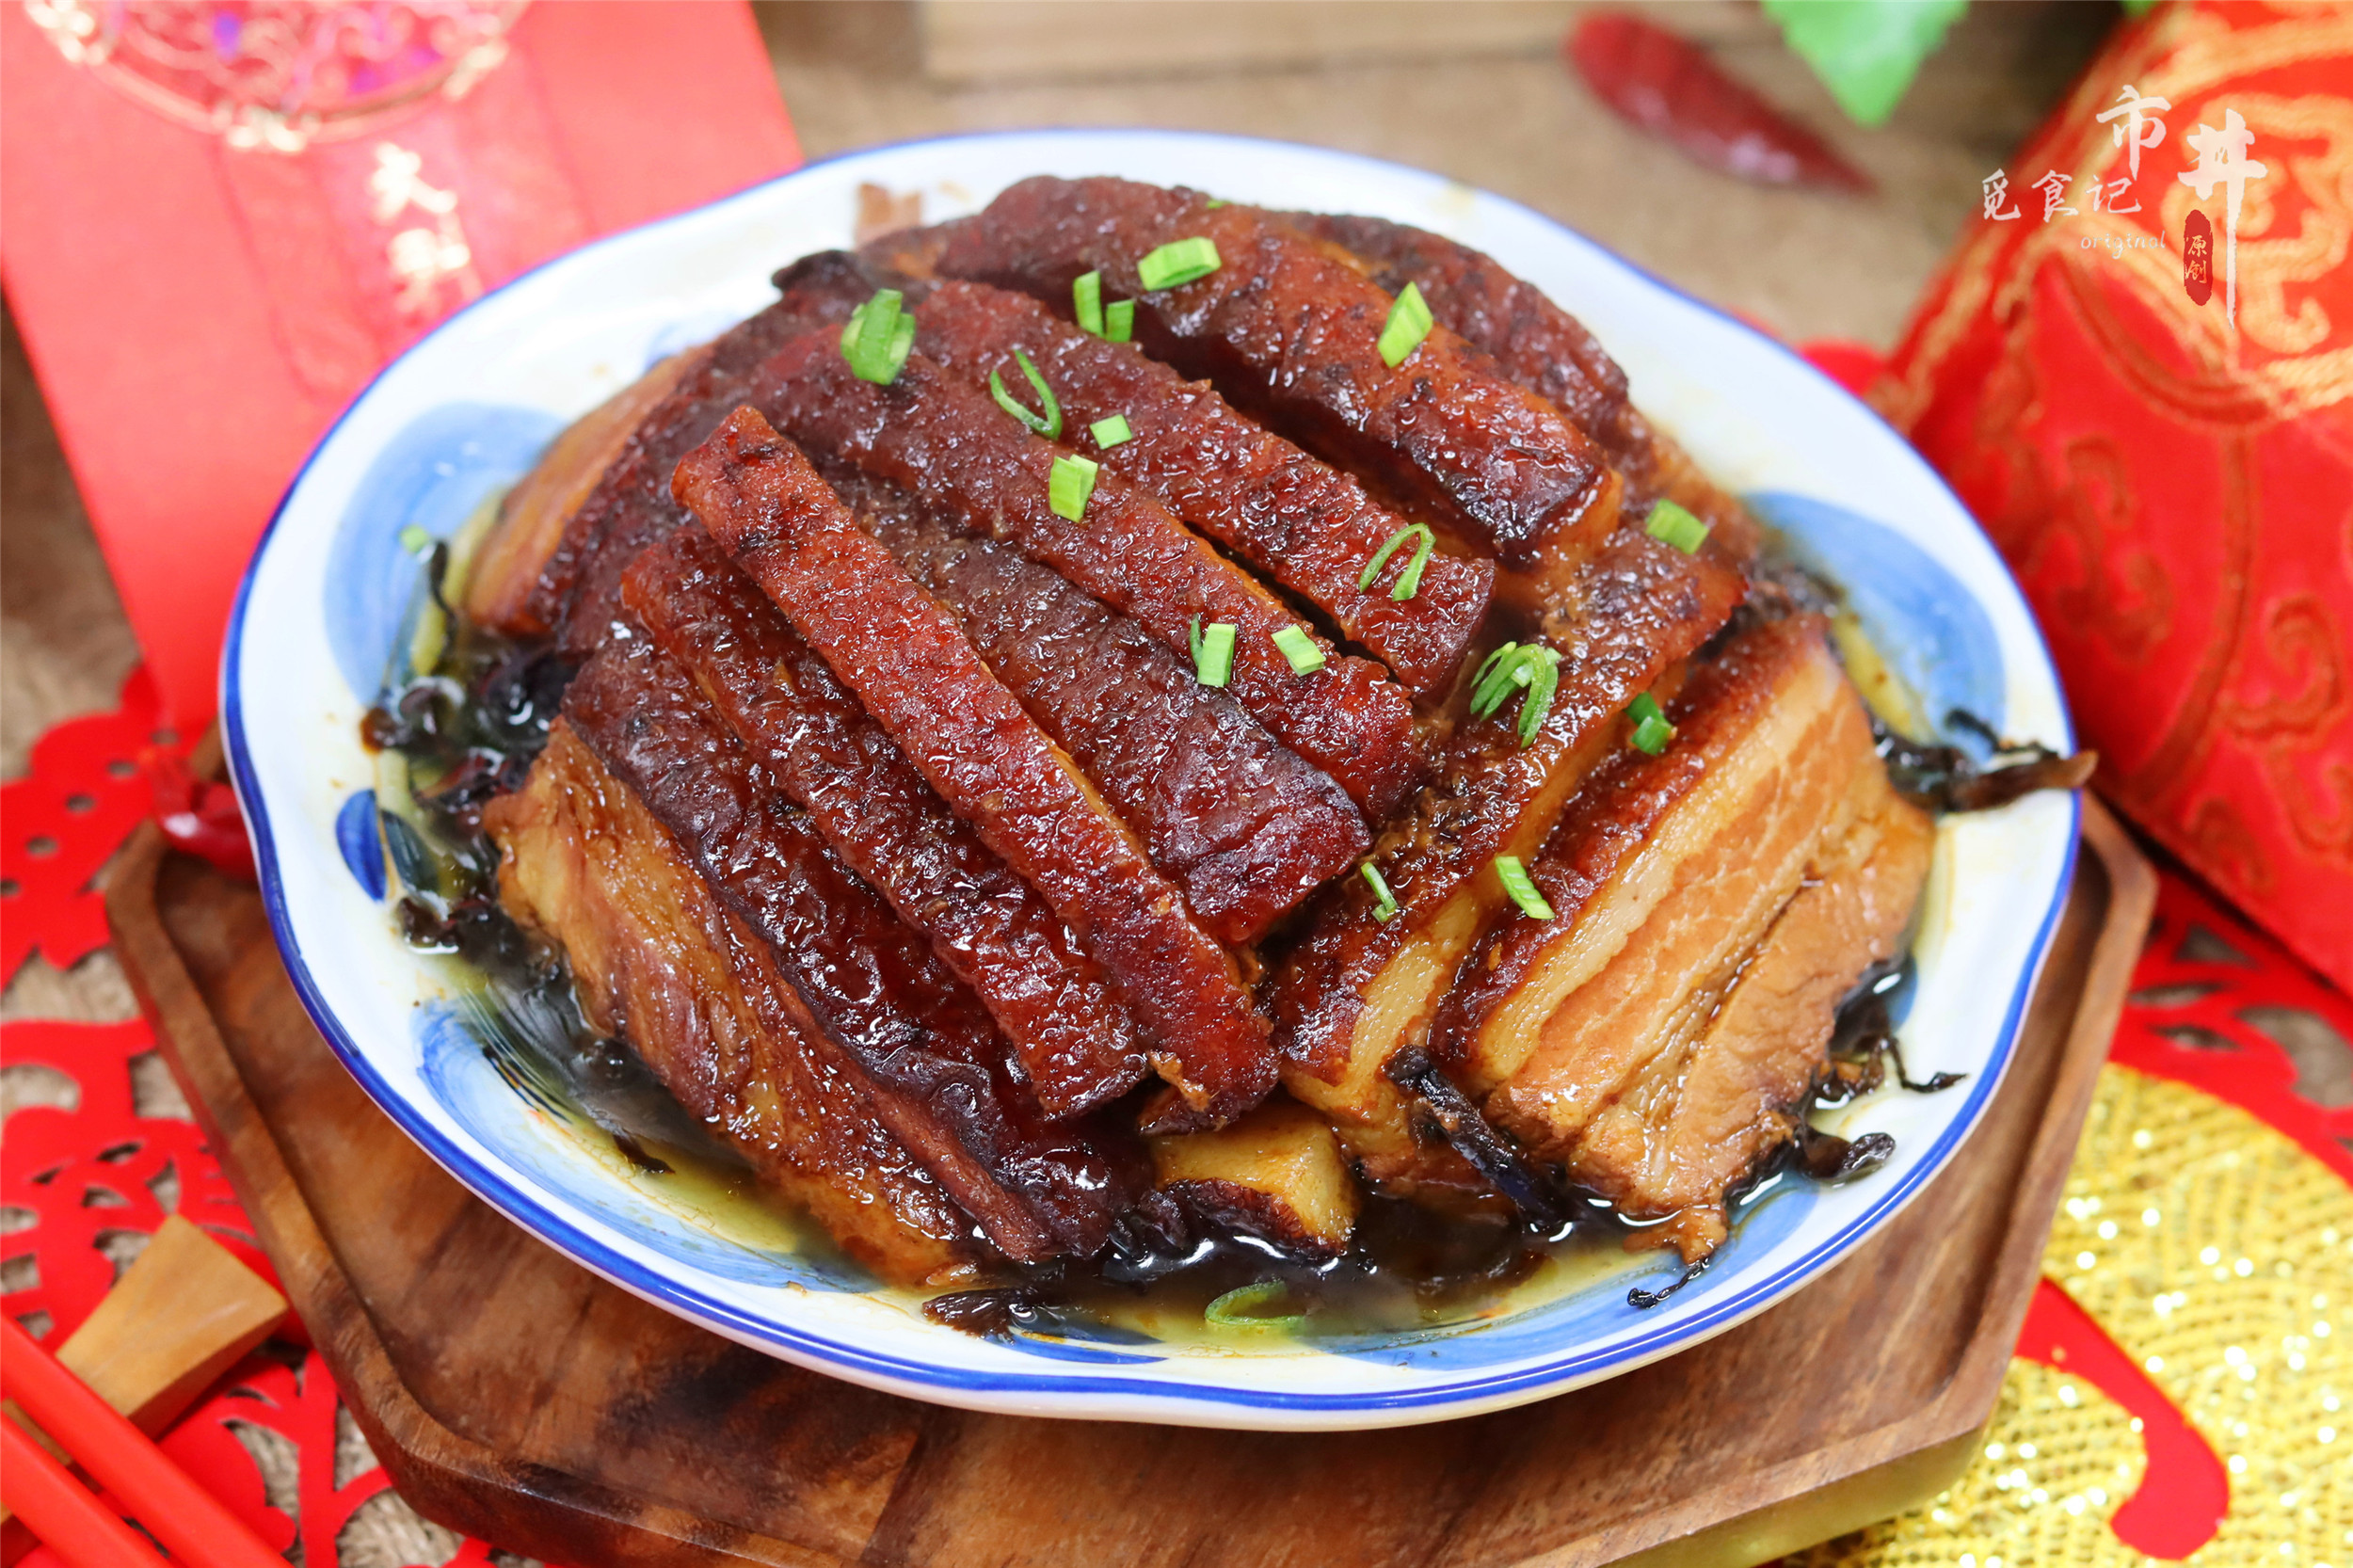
(579, 591)
(650, 946)
(1078, 1043)
(935, 1068)
(1287, 328)
(535, 513)
(1544, 348)
(1356, 989)
(1681, 881)
(911, 666)
(1235, 818)
(932, 433)
(1307, 526)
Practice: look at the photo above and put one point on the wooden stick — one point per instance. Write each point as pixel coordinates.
(188, 1520)
(72, 1523)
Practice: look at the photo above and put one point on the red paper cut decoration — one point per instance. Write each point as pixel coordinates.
(59, 824)
(2188, 1022)
(2184, 1491)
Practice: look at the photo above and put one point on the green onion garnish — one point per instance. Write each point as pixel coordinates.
(1409, 322)
(1677, 526)
(1119, 320)
(1212, 652)
(1385, 902)
(1512, 669)
(1086, 301)
(1651, 730)
(416, 542)
(876, 337)
(1217, 201)
(1069, 484)
(1523, 890)
(1179, 262)
(1409, 580)
(1301, 650)
(1239, 1309)
(1109, 432)
(1049, 424)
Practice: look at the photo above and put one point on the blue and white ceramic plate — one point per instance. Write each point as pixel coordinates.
(466, 411)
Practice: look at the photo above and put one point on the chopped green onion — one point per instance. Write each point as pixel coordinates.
(1385, 902)
(1409, 322)
(1109, 432)
(1301, 650)
(876, 337)
(416, 542)
(1522, 888)
(1677, 526)
(1179, 261)
(1119, 320)
(1086, 301)
(1212, 652)
(1069, 484)
(1651, 730)
(1049, 424)
(1409, 580)
(1513, 669)
(1238, 1310)
(1217, 201)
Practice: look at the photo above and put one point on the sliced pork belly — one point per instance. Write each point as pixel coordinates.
(935, 1069)
(908, 662)
(654, 954)
(1277, 1173)
(1235, 818)
(1700, 1117)
(535, 513)
(1308, 526)
(1672, 883)
(1287, 328)
(1356, 990)
(1544, 348)
(934, 435)
(1078, 1043)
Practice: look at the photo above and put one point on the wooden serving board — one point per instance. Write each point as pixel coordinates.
(516, 1396)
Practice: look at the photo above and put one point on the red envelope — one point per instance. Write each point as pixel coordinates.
(199, 311)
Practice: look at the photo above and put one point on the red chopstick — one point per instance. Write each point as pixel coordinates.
(190, 1522)
(62, 1512)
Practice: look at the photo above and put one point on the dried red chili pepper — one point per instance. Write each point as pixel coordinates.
(1652, 78)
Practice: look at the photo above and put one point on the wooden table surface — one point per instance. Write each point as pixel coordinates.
(1473, 89)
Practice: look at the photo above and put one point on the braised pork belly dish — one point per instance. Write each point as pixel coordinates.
(1130, 729)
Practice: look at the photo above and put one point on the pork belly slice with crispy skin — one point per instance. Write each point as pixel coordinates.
(1277, 1173)
(935, 1069)
(934, 434)
(1235, 819)
(1308, 526)
(1289, 329)
(1078, 1043)
(532, 517)
(1702, 1115)
(1546, 349)
(578, 594)
(1672, 882)
(650, 946)
(1356, 989)
(906, 661)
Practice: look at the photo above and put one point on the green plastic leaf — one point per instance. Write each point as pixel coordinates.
(1866, 52)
